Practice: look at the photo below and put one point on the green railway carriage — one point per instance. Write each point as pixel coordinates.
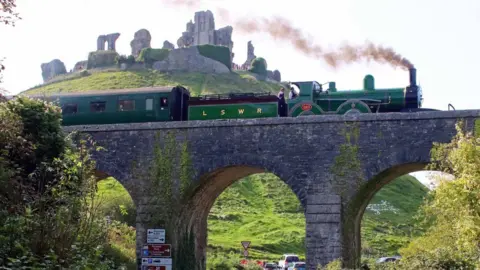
(174, 103)
(152, 104)
(233, 106)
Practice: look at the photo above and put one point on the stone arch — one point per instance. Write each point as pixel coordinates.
(211, 183)
(359, 202)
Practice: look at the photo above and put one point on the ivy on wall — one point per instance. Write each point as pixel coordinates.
(171, 161)
(477, 128)
(347, 164)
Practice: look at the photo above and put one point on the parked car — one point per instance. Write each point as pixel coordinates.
(286, 259)
(388, 259)
(298, 266)
(269, 266)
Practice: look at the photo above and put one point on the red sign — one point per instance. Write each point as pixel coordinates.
(156, 268)
(306, 107)
(158, 250)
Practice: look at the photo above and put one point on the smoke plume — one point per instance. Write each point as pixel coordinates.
(280, 28)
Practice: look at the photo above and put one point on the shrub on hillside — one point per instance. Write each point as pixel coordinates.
(259, 66)
(217, 53)
(149, 55)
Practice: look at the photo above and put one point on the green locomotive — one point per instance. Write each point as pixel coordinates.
(156, 104)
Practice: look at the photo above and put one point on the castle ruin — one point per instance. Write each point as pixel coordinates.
(202, 31)
(199, 32)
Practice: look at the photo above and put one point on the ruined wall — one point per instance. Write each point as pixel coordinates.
(202, 31)
(52, 69)
(189, 59)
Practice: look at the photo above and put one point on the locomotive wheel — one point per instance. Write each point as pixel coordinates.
(353, 106)
(305, 108)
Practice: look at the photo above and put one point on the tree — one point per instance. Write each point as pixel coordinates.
(453, 209)
(8, 16)
(48, 217)
(259, 66)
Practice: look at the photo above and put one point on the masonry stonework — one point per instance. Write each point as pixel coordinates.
(301, 151)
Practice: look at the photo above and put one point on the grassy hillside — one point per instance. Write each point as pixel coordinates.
(197, 83)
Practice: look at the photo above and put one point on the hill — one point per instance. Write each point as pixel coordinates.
(197, 83)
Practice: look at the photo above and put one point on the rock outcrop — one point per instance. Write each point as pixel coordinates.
(141, 40)
(189, 60)
(80, 65)
(277, 76)
(52, 69)
(168, 45)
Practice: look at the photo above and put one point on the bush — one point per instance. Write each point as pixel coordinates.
(47, 208)
(150, 56)
(259, 66)
(217, 53)
(123, 59)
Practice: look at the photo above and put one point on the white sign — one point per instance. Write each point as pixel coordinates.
(245, 253)
(156, 236)
(246, 244)
(156, 261)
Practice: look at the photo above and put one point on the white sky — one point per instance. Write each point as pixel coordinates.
(436, 35)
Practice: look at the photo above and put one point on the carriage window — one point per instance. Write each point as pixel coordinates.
(164, 102)
(98, 106)
(149, 104)
(317, 87)
(69, 109)
(126, 105)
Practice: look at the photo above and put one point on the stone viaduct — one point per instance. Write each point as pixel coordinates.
(334, 179)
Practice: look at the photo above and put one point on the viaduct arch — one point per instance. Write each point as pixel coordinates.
(308, 153)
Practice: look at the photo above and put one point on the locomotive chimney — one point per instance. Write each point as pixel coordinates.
(413, 76)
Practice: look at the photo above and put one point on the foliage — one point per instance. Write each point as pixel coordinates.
(218, 53)
(123, 59)
(47, 210)
(347, 163)
(8, 16)
(7, 12)
(115, 202)
(197, 83)
(453, 209)
(149, 55)
(259, 66)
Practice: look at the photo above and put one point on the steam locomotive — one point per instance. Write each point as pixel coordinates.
(157, 104)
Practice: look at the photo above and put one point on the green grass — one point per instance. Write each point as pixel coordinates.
(197, 83)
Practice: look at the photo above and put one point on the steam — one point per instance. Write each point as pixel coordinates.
(280, 28)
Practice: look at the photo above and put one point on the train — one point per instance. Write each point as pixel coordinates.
(175, 103)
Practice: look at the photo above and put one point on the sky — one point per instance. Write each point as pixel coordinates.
(435, 35)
